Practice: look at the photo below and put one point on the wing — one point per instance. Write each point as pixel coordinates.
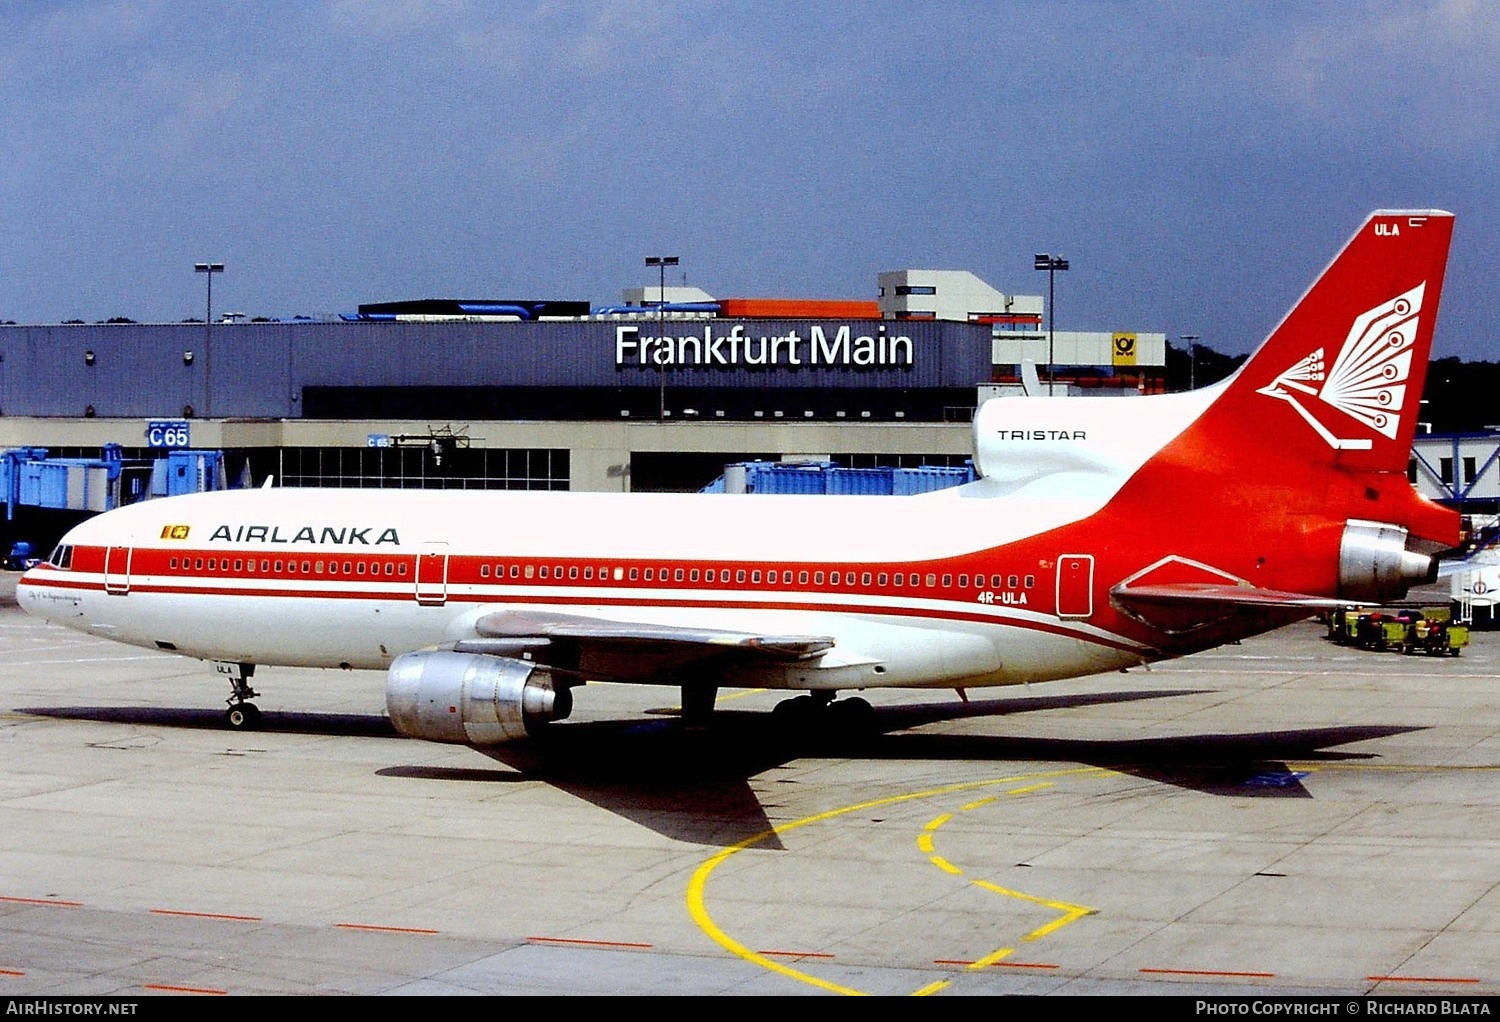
(607, 649)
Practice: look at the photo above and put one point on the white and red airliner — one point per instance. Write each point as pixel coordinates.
(1102, 534)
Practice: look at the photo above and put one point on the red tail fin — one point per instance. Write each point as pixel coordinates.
(1292, 481)
(1340, 379)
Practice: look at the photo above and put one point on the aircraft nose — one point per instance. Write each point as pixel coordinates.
(26, 590)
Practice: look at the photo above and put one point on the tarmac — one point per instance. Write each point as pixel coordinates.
(1281, 817)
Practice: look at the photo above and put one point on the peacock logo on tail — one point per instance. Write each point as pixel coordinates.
(1367, 381)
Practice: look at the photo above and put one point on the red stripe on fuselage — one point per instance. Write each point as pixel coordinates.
(1000, 615)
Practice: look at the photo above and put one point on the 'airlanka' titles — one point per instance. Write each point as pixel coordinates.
(317, 535)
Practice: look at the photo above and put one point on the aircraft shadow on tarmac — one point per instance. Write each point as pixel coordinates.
(694, 785)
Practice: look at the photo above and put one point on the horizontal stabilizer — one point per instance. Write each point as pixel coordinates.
(1178, 607)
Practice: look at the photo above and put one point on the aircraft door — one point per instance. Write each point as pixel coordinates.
(1075, 585)
(117, 569)
(432, 574)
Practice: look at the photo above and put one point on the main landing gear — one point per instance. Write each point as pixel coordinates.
(242, 714)
(821, 710)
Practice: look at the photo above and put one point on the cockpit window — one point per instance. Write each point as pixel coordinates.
(62, 556)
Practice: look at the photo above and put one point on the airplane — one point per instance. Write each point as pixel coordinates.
(1100, 535)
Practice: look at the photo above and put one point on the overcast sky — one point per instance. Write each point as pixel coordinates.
(1197, 163)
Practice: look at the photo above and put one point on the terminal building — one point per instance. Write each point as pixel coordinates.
(657, 392)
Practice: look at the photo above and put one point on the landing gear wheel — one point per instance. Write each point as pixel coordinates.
(854, 715)
(242, 714)
(820, 713)
(243, 717)
(797, 714)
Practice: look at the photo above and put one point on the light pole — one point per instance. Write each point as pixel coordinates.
(1192, 341)
(661, 263)
(208, 269)
(1051, 264)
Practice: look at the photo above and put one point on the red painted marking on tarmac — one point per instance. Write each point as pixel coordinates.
(41, 901)
(586, 943)
(11, 972)
(1210, 972)
(994, 965)
(1421, 979)
(183, 990)
(795, 954)
(383, 929)
(204, 915)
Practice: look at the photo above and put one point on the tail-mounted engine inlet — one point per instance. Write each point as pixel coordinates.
(1375, 564)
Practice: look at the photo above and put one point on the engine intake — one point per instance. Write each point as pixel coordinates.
(1375, 565)
(471, 698)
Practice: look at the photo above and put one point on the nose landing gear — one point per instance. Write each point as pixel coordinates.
(242, 714)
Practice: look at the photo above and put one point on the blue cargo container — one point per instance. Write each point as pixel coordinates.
(828, 478)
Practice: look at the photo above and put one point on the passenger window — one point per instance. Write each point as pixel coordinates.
(882, 578)
(708, 575)
(1030, 581)
(864, 579)
(963, 581)
(515, 571)
(1012, 581)
(931, 579)
(573, 572)
(739, 575)
(755, 576)
(693, 575)
(947, 580)
(677, 575)
(900, 578)
(588, 573)
(634, 574)
(817, 578)
(802, 578)
(994, 581)
(401, 568)
(530, 571)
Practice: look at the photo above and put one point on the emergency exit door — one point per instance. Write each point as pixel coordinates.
(1075, 585)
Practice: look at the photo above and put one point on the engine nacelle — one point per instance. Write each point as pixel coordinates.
(1375, 565)
(471, 698)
